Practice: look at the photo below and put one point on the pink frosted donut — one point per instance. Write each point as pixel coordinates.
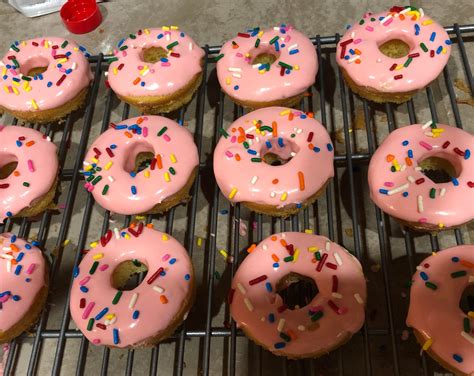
(111, 172)
(156, 70)
(52, 94)
(146, 314)
(400, 188)
(23, 285)
(326, 322)
(30, 187)
(376, 76)
(281, 83)
(444, 330)
(247, 156)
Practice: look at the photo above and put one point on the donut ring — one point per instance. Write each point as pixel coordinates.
(169, 78)
(28, 172)
(24, 284)
(279, 83)
(59, 89)
(440, 326)
(112, 164)
(325, 323)
(145, 315)
(399, 187)
(405, 67)
(244, 156)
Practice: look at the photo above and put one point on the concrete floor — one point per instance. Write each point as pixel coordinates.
(213, 23)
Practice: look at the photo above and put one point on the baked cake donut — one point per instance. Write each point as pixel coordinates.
(326, 322)
(28, 172)
(110, 314)
(441, 326)
(23, 285)
(423, 176)
(156, 70)
(263, 68)
(274, 160)
(389, 56)
(143, 165)
(44, 79)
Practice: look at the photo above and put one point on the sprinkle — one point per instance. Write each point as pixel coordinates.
(284, 196)
(398, 189)
(133, 301)
(281, 325)
(116, 336)
(163, 299)
(241, 288)
(358, 298)
(232, 193)
(301, 180)
(249, 304)
(458, 358)
(431, 285)
(468, 337)
(427, 344)
(458, 274)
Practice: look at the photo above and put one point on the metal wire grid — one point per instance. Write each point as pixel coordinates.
(345, 162)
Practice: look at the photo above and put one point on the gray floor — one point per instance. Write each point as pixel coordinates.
(213, 23)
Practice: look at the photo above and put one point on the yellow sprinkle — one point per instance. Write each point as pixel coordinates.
(46, 44)
(232, 193)
(173, 158)
(147, 173)
(438, 130)
(110, 316)
(4, 71)
(254, 122)
(33, 103)
(427, 344)
(146, 31)
(285, 112)
(144, 70)
(224, 253)
(15, 83)
(93, 244)
(296, 255)
(164, 237)
(199, 242)
(76, 49)
(115, 71)
(247, 55)
(260, 33)
(108, 165)
(61, 61)
(27, 89)
(167, 177)
(23, 43)
(98, 256)
(444, 50)
(399, 66)
(471, 314)
(427, 22)
(440, 225)
(283, 196)
(95, 160)
(308, 231)
(26, 84)
(126, 236)
(140, 217)
(5, 87)
(396, 165)
(165, 28)
(15, 90)
(174, 28)
(88, 168)
(296, 67)
(263, 71)
(313, 249)
(66, 242)
(228, 81)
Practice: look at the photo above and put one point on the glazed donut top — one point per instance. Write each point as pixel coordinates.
(434, 310)
(359, 55)
(67, 74)
(22, 276)
(119, 318)
(35, 172)
(129, 75)
(291, 74)
(110, 162)
(399, 187)
(336, 311)
(294, 136)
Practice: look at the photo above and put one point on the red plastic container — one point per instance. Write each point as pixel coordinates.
(81, 16)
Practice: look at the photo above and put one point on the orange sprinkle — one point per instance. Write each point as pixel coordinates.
(310, 115)
(251, 248)
(275, 258)
(390, 157)
(140, 120)
(307, 94)
(291, 116)
(30, 143)
(136, 80)
(357, 51)
(467, 264)
(408, 161)
(241, 131)
(301, 180)
(275, 181)
(274, 238)
(310, 146)
(233, 129)
(237, 156)
(357, 61)
(159, 163)
(413, 18)
(283, 242)
(16, 173)
(401, 16)
(240, 139)
(275, 129)
(14, 248)
(150, 225)
(313, 260)
(128, 134)
(132, 225)
(163, 299)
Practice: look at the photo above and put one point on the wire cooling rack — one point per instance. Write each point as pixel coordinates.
(208, 342)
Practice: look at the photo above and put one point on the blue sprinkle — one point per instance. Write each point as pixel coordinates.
(295, 51)
(455, 259)
(448, 42)
(8, 66)
(417, 29)
(16, 79)
(347, 57)
(181, 35)
(405, 194)
(316, 149)
(250, 151)
(113, 146)
(120, 43)
(172, 261)
(433, 36)
(269, 144)
(20, 256)
(84, 289)
(187, 277)
(268, 286)
(82, 48)
(27, 246)
(276, 265)
(467, 154)
(134, 190)
(439, 50)
(180, 122)
(163, 273)
(68, 71)
(303, 116)
(49, 84)
(457, 358)
(455, 181)
(133, 174)
(119, 127)
(383, 191)
(330, 148)
(16, 298)
(280, 142)
(424, 276)
(5, 293)
(142, 84)
(13, 239)
(69, 53)
(224, 211)
(410, 153)
(282, 45)
(352, 52)
(299, 205)
(59, 65)
(236, 87)
(271, 317)
(75, 272)
(101, 314)
(280, 345)
(18, 269)
(136, 314)
(405, 143)
(277, 46)
(116, 336)
(28, 280)
(159, 36)
(9, 213)
(287, 71)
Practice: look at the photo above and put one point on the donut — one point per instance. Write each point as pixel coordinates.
(266, 160)
(423, 176)
(156, 70)
(44, 79)
(110, 315)
(444, 330)
(263, 68)
(28, 172)
(143, 165)
(23, 285)
(389, 56)
(324, 322)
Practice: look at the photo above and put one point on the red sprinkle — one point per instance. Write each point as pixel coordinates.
(282, 71)
(110, 152)
(393, 67)
(414, 55)
(470, 184)
(335, 307)
(82, 303)
(133, 232)
(120, 66)
(155, 275)
(291, 249)
(330, 265)
(97, 151)
(101, 326)
(6, 185)
(60, 81)
(61, 56)
(257, 280)
(140, 228)
(106, 238)
(310, 137)
(174, 54)
(398, 76)
(459, 151)
(153, 164)
(321, 262)
(446, 144)
(243, 35)
(335, 283)
(432, 53)
(420, 181)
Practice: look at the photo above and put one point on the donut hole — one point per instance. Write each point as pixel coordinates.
(296, 290)
(394, 48)
(278, 151)
(8, 164)
(263, 55)
(264, 58)
(466, 303)
(439, 169)
(152, 55)
(34, 66)
(128, 275)
(138, 157)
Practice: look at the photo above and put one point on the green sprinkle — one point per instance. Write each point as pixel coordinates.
(94, 267)
(361, 22)
(171, 45)
(317, 316)
(407, 63)
(257, 42)
(96, 180)
(117, 297)
(431, 285)
(217, 275)
(133, 36)
(266, 128)
(286, 337)
(123, 48)
(288, 258)
(112, 59)
(218, 57)
(105, 190)
(224, 132)
(137, 263)
(90, 324)
(65, 43)
(393, 169)
(467, 325)
(292, 135)
(284, 65)
(26, 78)
(460, 273)
(246, 144)
(433, 125)
(274, 39)
(172, 171)
(162, 130)
(17, 64)
(25, 184)
(423, 47)
(256, 159)
(90, 178)
(318, 255)
(14, 48)
(432, 192)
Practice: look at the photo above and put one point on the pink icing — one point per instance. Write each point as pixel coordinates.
(153, 315)
(20, 281)
(368, 67)
(35, 173)
(115, 153)
(131, 76)
(347, 296)
(240, 80)
(436, 314)
(245, 180)
(448, 207)
(50, 89)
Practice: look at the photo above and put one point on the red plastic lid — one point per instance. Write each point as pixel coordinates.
(81, 16)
